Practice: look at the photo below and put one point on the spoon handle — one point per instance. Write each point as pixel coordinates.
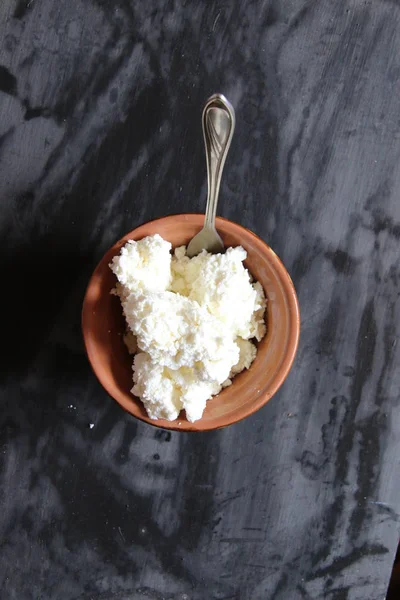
(218, 127)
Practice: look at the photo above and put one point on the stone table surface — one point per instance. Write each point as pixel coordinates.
(100, 130)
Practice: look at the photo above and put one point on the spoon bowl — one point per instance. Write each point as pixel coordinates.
(207, 239)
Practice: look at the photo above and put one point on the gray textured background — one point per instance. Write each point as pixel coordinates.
(100, 130)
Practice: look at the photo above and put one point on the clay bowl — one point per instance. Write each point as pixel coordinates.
(103, 325)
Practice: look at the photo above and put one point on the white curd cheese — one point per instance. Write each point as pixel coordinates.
(177, 332)
(191, 321)
(222, 284)
(144, 265)
(165, 392)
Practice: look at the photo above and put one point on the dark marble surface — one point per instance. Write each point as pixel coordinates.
(100, 130)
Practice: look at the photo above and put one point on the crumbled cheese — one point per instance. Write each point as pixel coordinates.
(144, 265)
(221, 283)
(247, 353)
(177, 332)
(165, 392)
(190, 322)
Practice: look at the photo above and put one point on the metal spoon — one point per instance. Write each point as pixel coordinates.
(218, 126)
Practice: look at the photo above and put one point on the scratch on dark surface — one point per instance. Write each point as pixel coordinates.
(216, 20)
(368, 470)
(313, 465)
(313, 316)
(386, 509)
(389, 352)
(151, 593)
(343, 562)
(236, 540)
(372, 427)
(301, 14)
(230, 498)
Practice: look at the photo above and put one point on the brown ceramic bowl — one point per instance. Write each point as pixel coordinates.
(103, 325)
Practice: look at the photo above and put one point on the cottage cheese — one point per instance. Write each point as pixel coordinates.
(190, 322)
(144, 265)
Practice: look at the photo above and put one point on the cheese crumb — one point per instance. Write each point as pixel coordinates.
(222, 284)
(144, 265)
(190, 322)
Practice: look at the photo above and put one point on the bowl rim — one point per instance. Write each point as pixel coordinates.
(278, 379)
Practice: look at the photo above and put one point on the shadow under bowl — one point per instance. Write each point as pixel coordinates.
(103, 326)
